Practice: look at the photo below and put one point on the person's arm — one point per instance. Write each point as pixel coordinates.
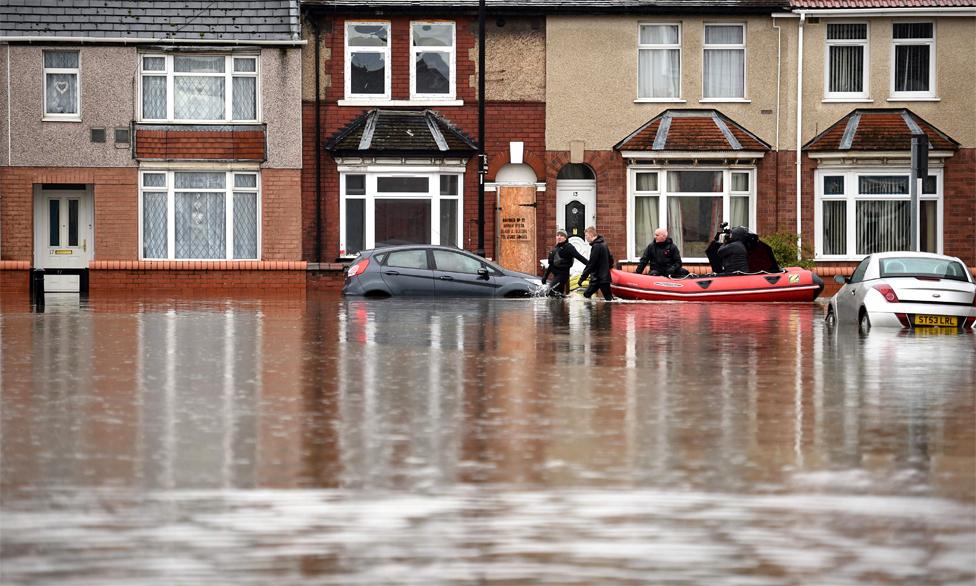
(578, 256)
(589, 267)
(545, 273)
(644, 260)
(676, 258)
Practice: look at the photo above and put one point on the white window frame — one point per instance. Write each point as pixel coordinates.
(745, 63)
(634, 251)
(895, 43)
(170, 191)
(851, 196)
(76, 71)
(681, 62)
(452, 51)
(229, 75)
(386, 51)
(433, 194)
(865, 45)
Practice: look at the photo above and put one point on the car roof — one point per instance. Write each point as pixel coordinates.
(413, 246)
(912, 254)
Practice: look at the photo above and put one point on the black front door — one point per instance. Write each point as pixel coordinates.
(575, 219)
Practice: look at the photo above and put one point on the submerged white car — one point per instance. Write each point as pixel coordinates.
(907, 290)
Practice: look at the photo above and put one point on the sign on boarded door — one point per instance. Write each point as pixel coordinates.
(516, 228)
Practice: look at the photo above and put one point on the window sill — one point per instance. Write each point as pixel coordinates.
(202, 122)
(660, 101)
(384, 102)
(49, 119)
(914, 99)
(724, 101)
(846, 100)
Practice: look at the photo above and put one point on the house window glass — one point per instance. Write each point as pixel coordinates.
(194, 88)
(725, 61)
(847, 60)
(367, 59)
(865, 212)
(433, 57)
(691, 204)
(200, 215)
(61, 94)
(914, 48)
(400, 208)
(659, 61)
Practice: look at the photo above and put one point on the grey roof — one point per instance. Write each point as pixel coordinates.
(401, 132)
(559, 6)
(199, 20)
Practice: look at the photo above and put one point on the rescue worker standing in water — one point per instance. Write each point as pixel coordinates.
(598, 267)
(561, 259)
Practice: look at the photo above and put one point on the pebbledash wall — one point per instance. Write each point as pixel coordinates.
(515, 111)
(48, 153)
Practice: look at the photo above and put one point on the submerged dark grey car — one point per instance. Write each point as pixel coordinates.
(425, 270)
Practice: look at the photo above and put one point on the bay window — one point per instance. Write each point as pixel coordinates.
(432, 55)
(367, 60)
(659, 62)
(725, 61)
(913, 72)
(62, 98)
(198, 215)
(690, 203)
(399, 208)
(199, 88)
(867, 211)
(847, 59)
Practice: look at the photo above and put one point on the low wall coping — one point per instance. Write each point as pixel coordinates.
(197, 265)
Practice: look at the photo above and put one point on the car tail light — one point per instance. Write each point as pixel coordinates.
(888, 292)
(969, 322)
(903, 319)
(357, 268)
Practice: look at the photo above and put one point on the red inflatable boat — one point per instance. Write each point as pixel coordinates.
(793, 284)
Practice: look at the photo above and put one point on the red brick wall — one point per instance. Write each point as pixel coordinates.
(116, 231)
(190, 282)
(248, 145)
(959, 212)
(281, 214)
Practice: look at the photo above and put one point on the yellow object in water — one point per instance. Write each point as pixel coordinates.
(575, 284)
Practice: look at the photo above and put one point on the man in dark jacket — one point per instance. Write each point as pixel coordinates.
(733, 257)
(561, 259)
(663, 256)
(598, 267)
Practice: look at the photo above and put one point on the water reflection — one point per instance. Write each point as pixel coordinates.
(354, 441)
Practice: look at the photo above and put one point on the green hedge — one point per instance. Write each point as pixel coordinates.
(784, 247)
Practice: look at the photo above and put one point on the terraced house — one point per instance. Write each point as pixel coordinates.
(150, 145)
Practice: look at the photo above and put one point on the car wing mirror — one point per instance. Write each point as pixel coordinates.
(842, 279)
(483, 273)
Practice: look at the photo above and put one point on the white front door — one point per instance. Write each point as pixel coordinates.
(63, 229)
(575, 205)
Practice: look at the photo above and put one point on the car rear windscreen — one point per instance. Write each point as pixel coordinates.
(923, 267)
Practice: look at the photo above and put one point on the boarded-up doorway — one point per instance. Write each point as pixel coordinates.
(516, 228)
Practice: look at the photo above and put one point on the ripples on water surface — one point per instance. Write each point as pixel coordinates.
(331, 441)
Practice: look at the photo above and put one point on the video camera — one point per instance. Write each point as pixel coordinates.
(724, 232)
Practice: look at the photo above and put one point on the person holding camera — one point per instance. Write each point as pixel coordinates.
(728, 253)
(663, 257)
(561, 259)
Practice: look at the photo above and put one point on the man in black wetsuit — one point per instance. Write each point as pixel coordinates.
(561, 259)
(663, 256)
(598, 267)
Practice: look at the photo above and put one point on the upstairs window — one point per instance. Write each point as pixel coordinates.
(432, 54)
(62, 100)
(847, 58)
(367, 60)
(914, 59)
(199, 88)
(725, 61)
(659, 62)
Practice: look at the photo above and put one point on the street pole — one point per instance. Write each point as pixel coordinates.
(481, 129)
(920, 169)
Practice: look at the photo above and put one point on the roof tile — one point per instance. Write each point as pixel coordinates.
(879, 130)
(691, 130)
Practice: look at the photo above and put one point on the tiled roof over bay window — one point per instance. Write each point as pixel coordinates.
(401, 132)
(691, 130)
(879, 130)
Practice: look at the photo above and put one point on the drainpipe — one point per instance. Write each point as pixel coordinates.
(481, 128)
(799, 129)
(318, 145)
(779, 89)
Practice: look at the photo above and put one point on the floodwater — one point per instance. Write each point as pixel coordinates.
(321, 440)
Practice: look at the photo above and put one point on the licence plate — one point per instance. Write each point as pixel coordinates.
(936, 320)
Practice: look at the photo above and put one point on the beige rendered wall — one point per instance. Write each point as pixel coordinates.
(591, 78)
(281, 106)
(107, 101)
(515, 60)
(955, 77)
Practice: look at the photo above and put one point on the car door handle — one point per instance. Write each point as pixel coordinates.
(391, 273)
(446, 278)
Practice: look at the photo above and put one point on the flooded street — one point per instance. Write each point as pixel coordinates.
(355, 442)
